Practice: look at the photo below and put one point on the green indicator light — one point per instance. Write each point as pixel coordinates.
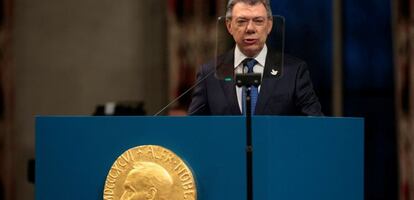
(227, 79)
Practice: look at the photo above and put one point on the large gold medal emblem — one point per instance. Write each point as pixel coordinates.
(149, 172)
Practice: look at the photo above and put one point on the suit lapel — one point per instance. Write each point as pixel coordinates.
(271, 73)
(225, 74)
(231, 96)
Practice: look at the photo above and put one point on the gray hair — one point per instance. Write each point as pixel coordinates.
(231, 4)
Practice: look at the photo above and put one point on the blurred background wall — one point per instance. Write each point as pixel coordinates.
(67, 57)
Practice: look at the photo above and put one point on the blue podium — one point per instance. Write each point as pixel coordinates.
(294, 157)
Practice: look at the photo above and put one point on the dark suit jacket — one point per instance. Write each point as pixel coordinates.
(290, 92)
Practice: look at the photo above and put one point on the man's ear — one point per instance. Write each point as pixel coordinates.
(269, 28)
(151, 193)
(228, 25)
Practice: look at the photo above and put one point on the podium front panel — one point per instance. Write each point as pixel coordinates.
(294, 157)
(298, 158)
(74, 154)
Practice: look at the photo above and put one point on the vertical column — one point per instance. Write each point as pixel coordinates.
(337, 82)
(7, 81)
(153, 53)
(403, 44)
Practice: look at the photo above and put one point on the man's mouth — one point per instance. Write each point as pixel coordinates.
(250, 41)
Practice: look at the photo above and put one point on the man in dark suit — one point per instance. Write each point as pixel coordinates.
(285, 90)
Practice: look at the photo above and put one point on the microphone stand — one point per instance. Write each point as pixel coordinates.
(248, 81)
(249, 146)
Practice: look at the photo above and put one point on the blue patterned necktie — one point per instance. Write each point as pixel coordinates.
(254, 92)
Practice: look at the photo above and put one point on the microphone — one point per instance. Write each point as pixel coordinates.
(223, 71)
(185, 92)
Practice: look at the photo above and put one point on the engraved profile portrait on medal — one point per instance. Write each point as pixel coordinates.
(147, 181)
(149, 172)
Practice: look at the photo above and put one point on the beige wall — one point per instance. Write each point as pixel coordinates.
(70, 55)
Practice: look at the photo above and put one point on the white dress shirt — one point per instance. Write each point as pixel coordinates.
(238, 68)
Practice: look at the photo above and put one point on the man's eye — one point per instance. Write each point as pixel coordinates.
(259, 21)
(241, 22)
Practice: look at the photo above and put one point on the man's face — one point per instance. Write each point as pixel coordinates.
(249, 27)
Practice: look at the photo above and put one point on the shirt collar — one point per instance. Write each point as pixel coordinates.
(260, 58)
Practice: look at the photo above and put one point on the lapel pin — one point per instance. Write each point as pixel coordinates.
(274, 72)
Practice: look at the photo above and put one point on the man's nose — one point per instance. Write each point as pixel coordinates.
(250, 28)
